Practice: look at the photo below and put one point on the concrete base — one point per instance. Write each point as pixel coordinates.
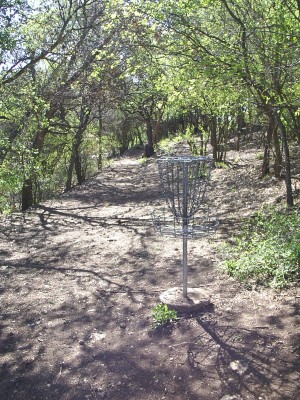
(196, 299)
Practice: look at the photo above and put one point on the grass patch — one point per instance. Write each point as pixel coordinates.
(268, 250)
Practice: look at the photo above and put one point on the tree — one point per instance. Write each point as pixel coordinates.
(250, 43)
(136, 66)
(49, 62)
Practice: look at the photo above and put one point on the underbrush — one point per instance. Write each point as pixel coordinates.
(167, 146)
(268, 250)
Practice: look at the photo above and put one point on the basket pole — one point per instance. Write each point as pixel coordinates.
(185, 227)
(184, 266)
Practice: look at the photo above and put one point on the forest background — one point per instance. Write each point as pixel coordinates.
(82, 81)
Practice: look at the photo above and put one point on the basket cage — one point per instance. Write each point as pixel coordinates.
(184, 182)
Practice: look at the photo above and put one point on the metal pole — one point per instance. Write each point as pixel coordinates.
(184, 266)
(184, 227)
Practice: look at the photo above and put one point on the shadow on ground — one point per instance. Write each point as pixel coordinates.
(79, 277)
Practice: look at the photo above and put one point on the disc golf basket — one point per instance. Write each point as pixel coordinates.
(185, 181)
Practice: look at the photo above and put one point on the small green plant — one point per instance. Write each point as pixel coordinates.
(143, 160)
(162, 314)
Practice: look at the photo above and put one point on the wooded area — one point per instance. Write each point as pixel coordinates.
(92, 93)
(84, 80)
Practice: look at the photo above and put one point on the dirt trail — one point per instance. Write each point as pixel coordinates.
(79, 277)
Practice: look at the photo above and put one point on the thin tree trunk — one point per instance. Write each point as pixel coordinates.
(99, 135)
(278, 155)
(213, 138)
(241, 124)
(70, 174)
(265, 168)
(78, 139)
(78, 166)
(287, 162)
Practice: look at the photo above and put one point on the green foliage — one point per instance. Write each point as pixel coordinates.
(10, 185)
(167, 145)
(141, 67)
(162, 314)
(268, 251)
(12, 15)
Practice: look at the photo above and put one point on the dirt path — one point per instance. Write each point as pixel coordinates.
(79, 277)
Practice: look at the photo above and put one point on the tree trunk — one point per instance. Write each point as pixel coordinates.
(278, 155)
(287, 162)
(241, 124)
(265, 168)
(27, 194)
(99, 135)
(198, 133)
(149, 147)
(213, 138)
(70, 174)
(80, 175)
(75, 159)
(38, 144)
(139, 136)
(28, 184)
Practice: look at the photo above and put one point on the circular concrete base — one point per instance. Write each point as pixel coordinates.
(196, 299)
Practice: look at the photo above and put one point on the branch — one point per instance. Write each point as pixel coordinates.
(61, 36)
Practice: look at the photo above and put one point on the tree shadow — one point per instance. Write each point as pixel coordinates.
(245, 362)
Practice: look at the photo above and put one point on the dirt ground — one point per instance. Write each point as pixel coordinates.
(79, 277)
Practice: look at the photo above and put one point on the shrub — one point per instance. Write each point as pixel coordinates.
(268, 251)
